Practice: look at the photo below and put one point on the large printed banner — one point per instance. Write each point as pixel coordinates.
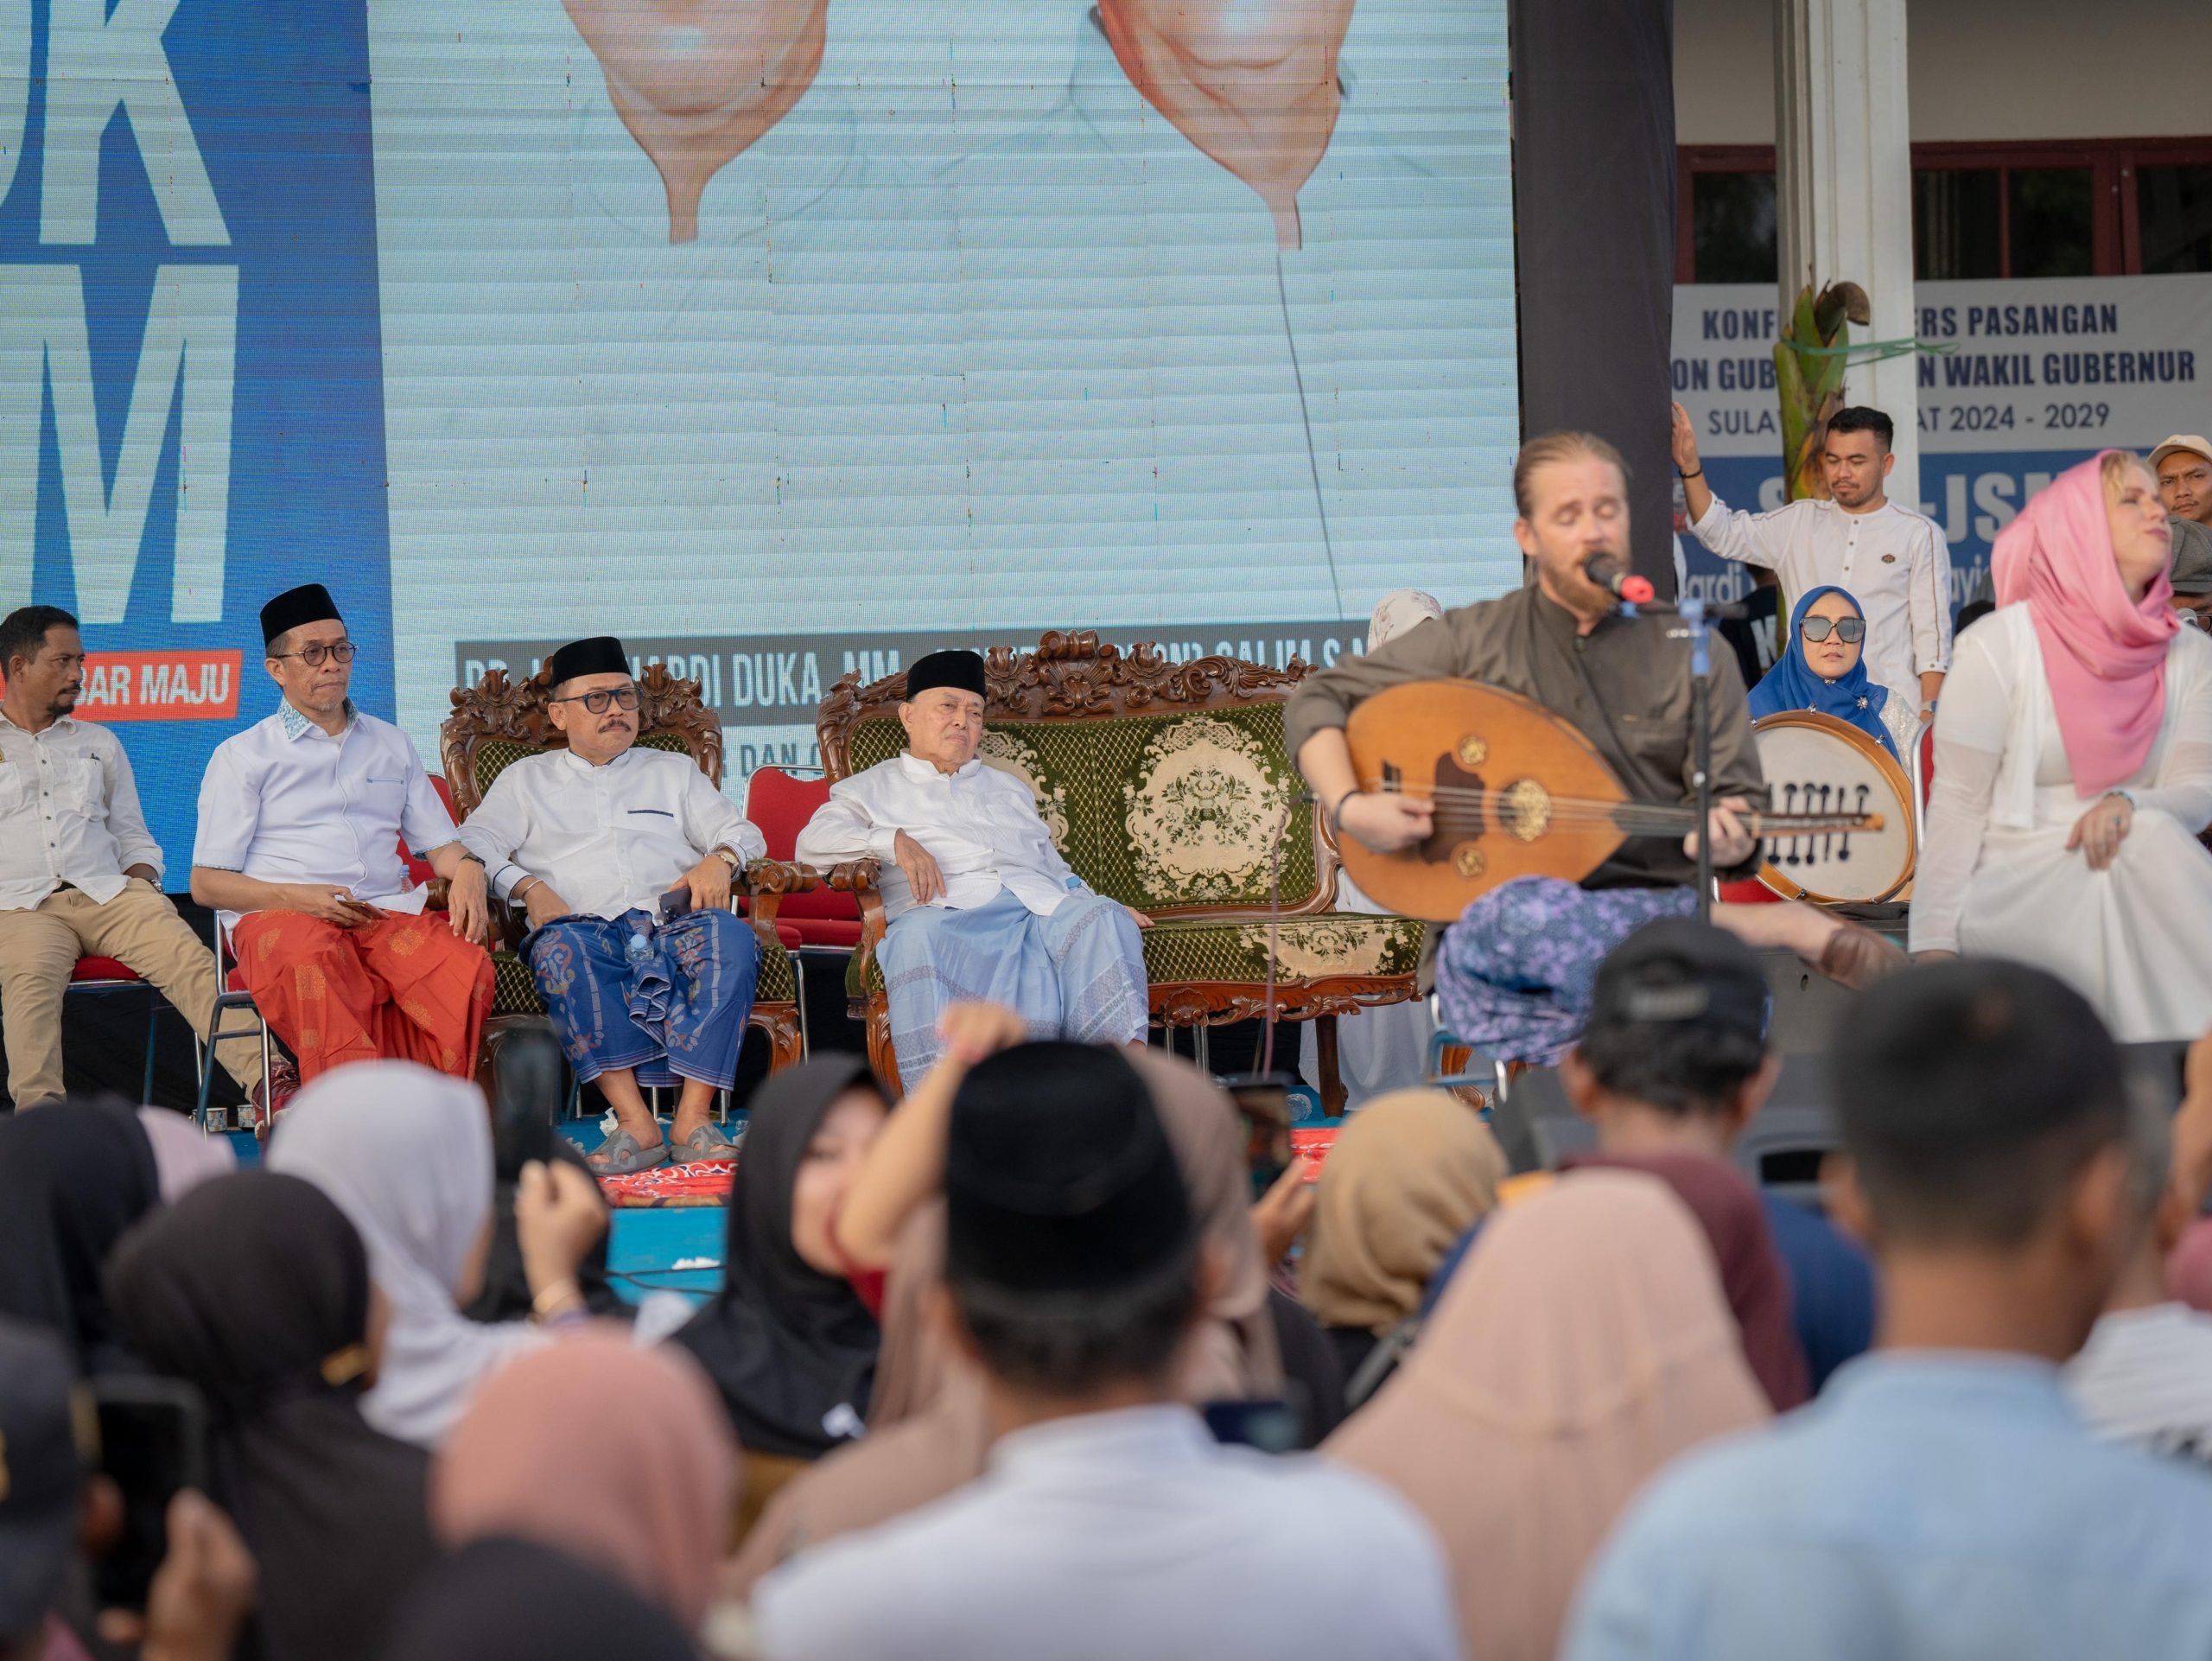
(779, 337)
(2037, 375)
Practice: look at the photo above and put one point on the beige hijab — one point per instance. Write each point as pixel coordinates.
(1583, 1345)
(1408, 1175)
(927, 1434)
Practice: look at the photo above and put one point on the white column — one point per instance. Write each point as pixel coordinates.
(1843, 187)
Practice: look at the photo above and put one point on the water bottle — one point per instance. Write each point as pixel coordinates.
(640, 946)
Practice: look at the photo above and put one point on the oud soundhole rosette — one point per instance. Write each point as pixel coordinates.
(1525, 810)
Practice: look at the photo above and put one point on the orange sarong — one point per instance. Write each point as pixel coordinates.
(403, 987)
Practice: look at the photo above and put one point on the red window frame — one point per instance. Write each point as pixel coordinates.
(2116, 249)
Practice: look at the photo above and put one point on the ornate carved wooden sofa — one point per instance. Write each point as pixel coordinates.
(1166, 786)
(497, 723)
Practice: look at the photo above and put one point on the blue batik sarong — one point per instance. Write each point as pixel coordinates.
(1515, 974)
(676, 1012)
(1078, 974)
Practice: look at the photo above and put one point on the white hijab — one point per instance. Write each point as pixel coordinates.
(1399, 610)
(406, 1154)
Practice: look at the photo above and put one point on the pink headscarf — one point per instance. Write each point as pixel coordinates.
(2104, 651)
(618, 1456)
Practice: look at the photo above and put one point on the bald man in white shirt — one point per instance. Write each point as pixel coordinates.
(79, 874)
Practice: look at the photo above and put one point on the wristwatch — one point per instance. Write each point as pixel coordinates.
(729, 859)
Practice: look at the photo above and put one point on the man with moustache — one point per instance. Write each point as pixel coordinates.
(79, 875)
(301, 819)
(1515, 973)
(590, 839)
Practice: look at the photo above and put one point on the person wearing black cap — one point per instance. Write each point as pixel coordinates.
(1109, 1522)
(589, 838)
(980, 903)
(301, 820)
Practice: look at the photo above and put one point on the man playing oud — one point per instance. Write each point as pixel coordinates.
(1515, 972)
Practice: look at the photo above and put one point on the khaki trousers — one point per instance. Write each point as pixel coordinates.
(138, 927)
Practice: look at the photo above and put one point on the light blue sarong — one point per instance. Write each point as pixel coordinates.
(1078, 974)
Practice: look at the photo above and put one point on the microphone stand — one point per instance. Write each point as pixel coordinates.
(1697, 617)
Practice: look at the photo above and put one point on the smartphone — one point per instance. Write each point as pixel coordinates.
(1264, 1103)
(1272, 1427)
(675, 903)
(153, 1437)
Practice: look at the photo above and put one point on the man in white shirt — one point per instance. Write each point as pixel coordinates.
(1108, 1522)
(1892, 560)
(79, 876)
(981, 904)
(301, 817)
(622, 858)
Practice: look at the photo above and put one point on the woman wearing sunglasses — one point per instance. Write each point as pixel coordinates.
(1823, 668)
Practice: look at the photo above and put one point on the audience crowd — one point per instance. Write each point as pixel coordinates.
(1012, 1365)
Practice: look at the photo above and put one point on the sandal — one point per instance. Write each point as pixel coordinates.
(708, 1146)
(622, 1155)
(1857, 957)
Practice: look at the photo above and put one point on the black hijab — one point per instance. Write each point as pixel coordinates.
(508, 1601)
(255, 1289)
(71, 1180)
(786, 1345)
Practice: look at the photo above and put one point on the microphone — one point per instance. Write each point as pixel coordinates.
(1602, 569)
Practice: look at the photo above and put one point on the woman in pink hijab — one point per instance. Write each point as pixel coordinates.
(2073, 763)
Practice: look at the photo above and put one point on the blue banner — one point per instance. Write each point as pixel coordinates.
(191, 388)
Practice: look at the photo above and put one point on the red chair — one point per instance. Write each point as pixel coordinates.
(780, 802)
(107, 975)
(1927, 764)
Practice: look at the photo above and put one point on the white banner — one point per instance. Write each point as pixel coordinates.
(2033, 365)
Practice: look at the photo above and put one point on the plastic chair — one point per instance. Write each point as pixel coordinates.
(103, 975)
(232, 997)
(1781, 1132)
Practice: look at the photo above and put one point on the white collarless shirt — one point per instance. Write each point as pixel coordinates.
(980, 824)
(607, 839)
(1130, 1533)
(69, 813)
(1894, 562)
(286, 802)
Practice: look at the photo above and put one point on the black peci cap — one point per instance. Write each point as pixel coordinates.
(308, 603)
(602, 655)
(959, 669)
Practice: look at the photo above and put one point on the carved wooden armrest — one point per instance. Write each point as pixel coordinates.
(858, 877)
(766, 881)
(438, 895)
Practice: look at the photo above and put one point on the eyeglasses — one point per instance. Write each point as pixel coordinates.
(597, 701)
(1849, 630)
(313, 656)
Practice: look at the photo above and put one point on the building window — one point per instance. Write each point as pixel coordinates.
(2092, 208)
(2051, 230)
(2173, 217)
(1957, 223)
(1733, 226)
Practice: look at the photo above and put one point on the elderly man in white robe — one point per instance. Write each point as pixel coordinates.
(980, 903)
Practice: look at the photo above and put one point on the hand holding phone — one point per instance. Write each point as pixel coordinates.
(153, 1437)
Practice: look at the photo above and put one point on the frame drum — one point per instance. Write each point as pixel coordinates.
(1816, 763)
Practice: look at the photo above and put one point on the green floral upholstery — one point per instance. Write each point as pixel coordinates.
(1158, 811)
(1308, 949)
(495, 755)
(514, 993)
